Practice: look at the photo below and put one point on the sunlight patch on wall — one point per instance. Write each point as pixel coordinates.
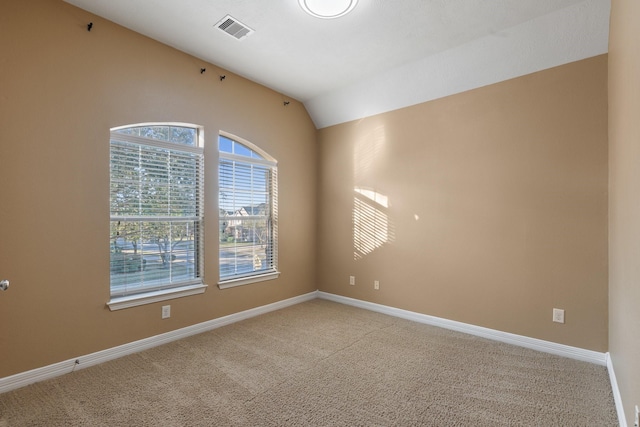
(378, 198)
(367, 154)
(371, 225)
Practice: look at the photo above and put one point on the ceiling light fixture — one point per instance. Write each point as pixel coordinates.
(327, 9)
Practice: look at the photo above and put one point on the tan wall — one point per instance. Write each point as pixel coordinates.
(61, 89)
(496, 212)
(497, 197)
(624, 200)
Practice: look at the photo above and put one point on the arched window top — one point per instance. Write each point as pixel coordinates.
(177, 133)
(235, 146)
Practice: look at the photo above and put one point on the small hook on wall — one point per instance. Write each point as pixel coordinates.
(222, 77)
(89, 26)
(202, 70)
(286, 103)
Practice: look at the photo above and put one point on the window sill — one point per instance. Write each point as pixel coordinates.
(155, 296)
(248, 280)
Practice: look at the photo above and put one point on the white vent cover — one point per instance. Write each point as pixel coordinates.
(233, 27)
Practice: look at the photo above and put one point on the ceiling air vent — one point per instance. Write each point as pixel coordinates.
(233, 27)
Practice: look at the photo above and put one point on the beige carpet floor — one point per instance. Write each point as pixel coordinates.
(323, 364)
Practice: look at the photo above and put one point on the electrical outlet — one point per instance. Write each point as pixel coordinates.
(352, 280)
(166, 311)
(558, 315)
(376, 285)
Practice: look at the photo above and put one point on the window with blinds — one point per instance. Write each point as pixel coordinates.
(247, 199)
(156, 201)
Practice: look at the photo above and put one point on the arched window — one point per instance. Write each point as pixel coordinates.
(156, 210)
(248, 217)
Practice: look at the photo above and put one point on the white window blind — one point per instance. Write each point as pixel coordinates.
(156, 178)
(247, 199)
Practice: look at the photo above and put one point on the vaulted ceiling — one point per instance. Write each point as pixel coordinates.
(384, 55)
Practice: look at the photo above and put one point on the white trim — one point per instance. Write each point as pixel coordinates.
(492, 334)
(617, 397)
(155, 218)
(51, 371)
(156, 296)
(248, 280)
(244, 159)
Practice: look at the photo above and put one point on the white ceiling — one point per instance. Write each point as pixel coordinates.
(385, 54)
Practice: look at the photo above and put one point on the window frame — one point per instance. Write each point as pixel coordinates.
(188, 286)
(271, 163)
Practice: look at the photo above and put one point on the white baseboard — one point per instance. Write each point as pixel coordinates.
(46, 372)
(617, 397)
(51, 371)
(519, 340)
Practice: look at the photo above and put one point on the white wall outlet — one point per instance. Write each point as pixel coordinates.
(352, 280)
(558, 315)
(166, 311)
(376, 285)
